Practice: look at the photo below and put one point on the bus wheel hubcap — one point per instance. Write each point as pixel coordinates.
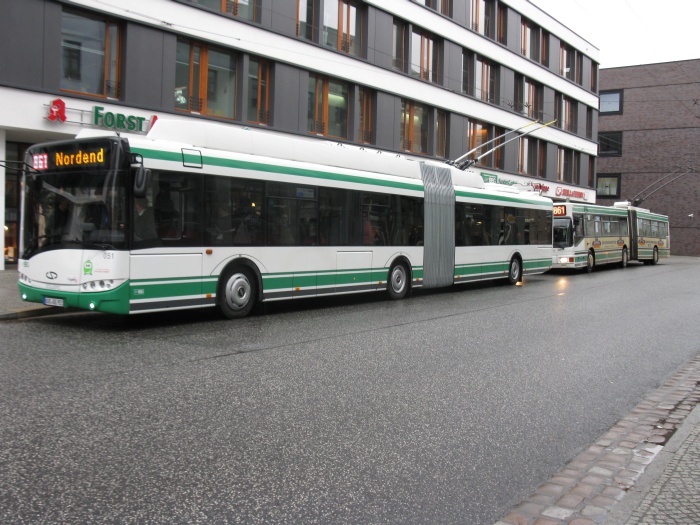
(237, 291)
(398, 279)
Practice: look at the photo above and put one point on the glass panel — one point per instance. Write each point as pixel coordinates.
(314, 123)
(305, 19)
(337, 109)
(182, 75)
(113, 62)
(610, 102)
(83, 45)
(355, 36)
(398, 43)
(221, 84)
(330, 23)
(257, 91)
(420, 128)
(244, 9)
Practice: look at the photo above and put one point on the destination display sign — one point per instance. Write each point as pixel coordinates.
(80, 156)
(559, 210)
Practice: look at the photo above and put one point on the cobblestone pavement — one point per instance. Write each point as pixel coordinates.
(675, 498)
(586, 490)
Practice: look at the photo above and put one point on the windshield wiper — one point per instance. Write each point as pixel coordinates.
(91, 244)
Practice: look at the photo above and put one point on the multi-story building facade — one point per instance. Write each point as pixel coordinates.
(431, 78)
(650, 144)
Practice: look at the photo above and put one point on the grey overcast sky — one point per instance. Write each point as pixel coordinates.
(632, 32)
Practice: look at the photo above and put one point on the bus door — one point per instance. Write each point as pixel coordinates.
(634, 235)
(167, 253)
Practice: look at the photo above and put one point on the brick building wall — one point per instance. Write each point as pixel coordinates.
(660, 125)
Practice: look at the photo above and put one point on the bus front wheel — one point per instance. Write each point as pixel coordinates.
(515, 271)
(398, 281)
(590, 261)
(237, 292)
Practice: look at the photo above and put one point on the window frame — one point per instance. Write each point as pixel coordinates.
(620, 101)
(109, 25)
(429, 67)
(609, 176)
(204, 78)
(486, 73)
(611, 138)
(408, 116)
(325, 107)
(263, 90)
(343, 9)
(366, 124)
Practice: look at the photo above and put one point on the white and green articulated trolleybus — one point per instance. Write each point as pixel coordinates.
(586, 235)
(198, 215)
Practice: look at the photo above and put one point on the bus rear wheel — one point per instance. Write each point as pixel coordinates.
(590, 261)
(515, 271)
(655, 256)
(623, 263)
(237, 293)
(398, 281)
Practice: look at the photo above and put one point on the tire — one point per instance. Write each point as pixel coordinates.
(399, 281)
(655, 256)
(623, 263)
(590, 261)
(515, 271)
(238, 291)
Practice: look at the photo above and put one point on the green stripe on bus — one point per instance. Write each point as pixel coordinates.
(283, 170)
(500, 198)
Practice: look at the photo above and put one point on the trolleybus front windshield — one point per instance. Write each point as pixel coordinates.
(74, 205)
(563, 234)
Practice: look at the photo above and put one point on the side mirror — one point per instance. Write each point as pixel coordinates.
(142, 180)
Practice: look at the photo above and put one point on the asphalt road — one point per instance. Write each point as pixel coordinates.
(448, 407)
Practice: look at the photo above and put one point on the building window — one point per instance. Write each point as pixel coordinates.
(90, 53)
(305, 19)
(594, 77)
(567, 62)
(528, 97)
(425, 56)
(205, 80)
(328, 107)
(610, 143)
(342, 26)
(611, 102)
(478, 134)
(565, 165)
(589, 123)
(544, 49)
(576, 168)
(259, 91)
(486, 80)
(531, 158)
(245, 9)
(441, 134)
(566, 112)
(444, 7)
(529, 40)
(467, 72)
(415, 120)
(608, 186)
(483, 17)
(399, 45)
(366, 116)
(502, 30)
(591, 171)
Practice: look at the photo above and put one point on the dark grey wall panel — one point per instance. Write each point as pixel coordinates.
(388, 121)
(382, 39)
(289, 98)
(452, 74)
(145, 50)
(283, 16)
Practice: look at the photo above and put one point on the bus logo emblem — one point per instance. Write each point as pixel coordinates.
(87, 268)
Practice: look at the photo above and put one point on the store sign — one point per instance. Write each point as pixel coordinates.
(99, 117)
(545, 189)
(117, 121)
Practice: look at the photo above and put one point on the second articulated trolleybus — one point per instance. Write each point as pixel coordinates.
(588, 235)
(207, 215)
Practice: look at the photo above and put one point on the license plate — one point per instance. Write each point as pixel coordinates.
(52, 301)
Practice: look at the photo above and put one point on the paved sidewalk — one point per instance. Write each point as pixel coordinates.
(669, 492)
(644, 471)
(12, 306)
